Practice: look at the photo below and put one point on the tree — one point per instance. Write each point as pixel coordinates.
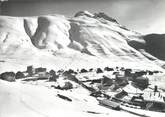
(19, 75)
(53, 76)
(8, 76)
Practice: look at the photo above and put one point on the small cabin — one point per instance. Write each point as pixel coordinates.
(108, 69)
(99, 70)
(110, 104)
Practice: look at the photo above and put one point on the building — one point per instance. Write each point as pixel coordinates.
(30, 70)
(40, 69)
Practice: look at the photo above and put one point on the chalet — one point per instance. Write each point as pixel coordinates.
(141, 82)
(121, 94)
(121, 80)
(39, 73)
(42, 74)
(66, 73)
(40, 69)
(108, 69)
(140, 73)
(128, 72)
(105, 83)
(83, 71)
(151, 105)
(99, 70)
(155, 106)
(53, 75)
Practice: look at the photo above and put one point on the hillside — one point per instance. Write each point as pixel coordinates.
(151, 46)
(55, 41)
(155, 45)
(38, 98)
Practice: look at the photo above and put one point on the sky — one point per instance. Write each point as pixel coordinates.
(144, 16)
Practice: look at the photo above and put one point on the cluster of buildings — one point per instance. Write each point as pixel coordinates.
(39, 73)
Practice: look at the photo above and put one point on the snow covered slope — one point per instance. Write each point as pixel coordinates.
(27, 100)
(22, 100)
(54, 41)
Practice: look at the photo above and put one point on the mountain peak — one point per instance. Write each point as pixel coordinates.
(56, 42)
(105, 16)
(96, 15)
(83, 13)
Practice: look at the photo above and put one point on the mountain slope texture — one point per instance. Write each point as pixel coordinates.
(85, 40)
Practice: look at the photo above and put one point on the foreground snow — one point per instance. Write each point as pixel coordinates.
(37, 99)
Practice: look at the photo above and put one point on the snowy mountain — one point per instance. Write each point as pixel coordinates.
(85, 40)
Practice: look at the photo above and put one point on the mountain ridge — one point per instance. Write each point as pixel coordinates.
(84, 39)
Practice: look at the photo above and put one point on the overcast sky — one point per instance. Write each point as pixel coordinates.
(145, 16)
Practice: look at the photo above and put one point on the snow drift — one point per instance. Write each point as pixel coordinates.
(27, 100)
(55, 41)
